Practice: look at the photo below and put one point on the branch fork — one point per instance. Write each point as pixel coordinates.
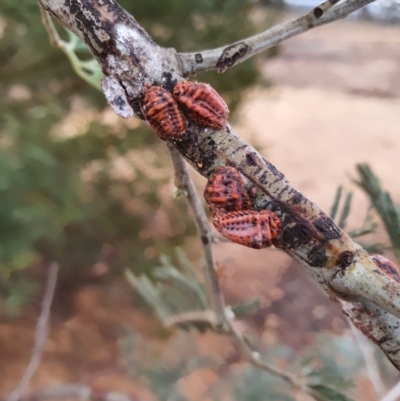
(130, 60)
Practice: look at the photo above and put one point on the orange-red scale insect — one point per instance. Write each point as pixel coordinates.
(202, 104)
(249, 227)
(225, 191)
(162, 113)
(229, 203)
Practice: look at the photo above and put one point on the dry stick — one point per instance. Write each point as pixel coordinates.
(371, 365)
(212, 284)
(47, 22)
(40, 333)
(214, 293)
(232, 54)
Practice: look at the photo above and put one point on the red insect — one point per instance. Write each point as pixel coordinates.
(225, 191)
(202, 104)
(229, 204)
(387, 266)
(162, 113)
(249, 227)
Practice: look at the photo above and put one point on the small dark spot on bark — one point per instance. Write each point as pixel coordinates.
(383, 339)
(298, 198)
(210, 142)
(253, 191)
(136, 106)
(327, 227)
(231, 55)
(394, 352)
(238, 149)
(317, 257)
(199, 58)
(167, 81)
(204, 240)
(294, 236)
(344, 259)
(278, 208)
(273, 169)
(74, 7)
(251, 159)
(318, 12)
(120, 102)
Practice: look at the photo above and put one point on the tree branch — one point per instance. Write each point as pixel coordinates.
(212, 284)
(40, 333)
(213, 291)
(130, 60)
(371, 365)
(235, 53)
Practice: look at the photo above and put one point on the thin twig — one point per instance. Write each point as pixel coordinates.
(232, 54)
(40, 333)
(184, 180)
(87, 70)
(367, 351)
(51, 30)
(194, 316)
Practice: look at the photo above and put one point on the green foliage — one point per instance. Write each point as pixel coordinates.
(368, 226)
(162, 368)
(382, 203)
(346, 207)
(325, 393)
(251, 384)
(244, 309)
(327, 368)
(171, 292)
(89, 70)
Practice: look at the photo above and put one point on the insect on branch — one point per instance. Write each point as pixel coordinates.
(212, 285)
(131, 62)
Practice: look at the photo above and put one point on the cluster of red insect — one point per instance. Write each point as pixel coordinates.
(165, 112)
(230, 207)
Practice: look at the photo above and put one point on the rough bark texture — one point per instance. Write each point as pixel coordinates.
(130, 61)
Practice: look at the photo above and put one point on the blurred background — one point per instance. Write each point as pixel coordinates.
(82, 187)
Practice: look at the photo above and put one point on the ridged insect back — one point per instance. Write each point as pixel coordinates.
(249, 227)
(230, 206)
(162, 113)
(202, 104)
(225, 191)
